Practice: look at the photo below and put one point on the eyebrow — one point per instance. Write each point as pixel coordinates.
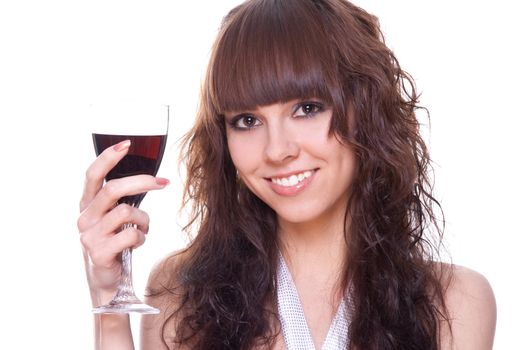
(233, 114)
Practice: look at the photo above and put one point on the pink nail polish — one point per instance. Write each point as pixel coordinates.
(162, 181)
(122, 145)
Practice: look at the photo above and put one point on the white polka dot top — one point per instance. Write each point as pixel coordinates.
(293, 322)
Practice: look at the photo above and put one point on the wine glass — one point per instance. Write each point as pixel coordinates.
(146, 126)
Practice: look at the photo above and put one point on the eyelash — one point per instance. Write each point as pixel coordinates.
(316, 108)
(235, 122)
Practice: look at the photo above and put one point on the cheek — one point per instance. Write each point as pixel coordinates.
(347, 161)
(315, 131)
(342, 156)
(244, 151)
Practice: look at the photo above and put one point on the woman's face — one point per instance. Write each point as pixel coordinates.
(285, 155)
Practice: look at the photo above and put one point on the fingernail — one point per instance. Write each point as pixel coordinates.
(162, 181)
(122, 145)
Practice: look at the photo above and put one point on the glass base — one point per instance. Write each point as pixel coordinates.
(125, 308)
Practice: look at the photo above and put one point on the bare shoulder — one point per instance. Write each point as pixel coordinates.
(161, 275)
(472, 310)
(162, 293)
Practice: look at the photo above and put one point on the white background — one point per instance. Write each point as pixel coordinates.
(57, 57)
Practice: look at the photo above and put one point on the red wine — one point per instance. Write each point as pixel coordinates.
(143, 157)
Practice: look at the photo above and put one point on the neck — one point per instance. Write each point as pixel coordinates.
(314, 251)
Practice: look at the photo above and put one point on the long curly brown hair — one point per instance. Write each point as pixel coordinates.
(270, 51)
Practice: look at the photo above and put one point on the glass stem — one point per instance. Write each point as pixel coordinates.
(125, 292)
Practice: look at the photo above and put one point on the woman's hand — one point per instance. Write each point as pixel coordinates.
(100, 221)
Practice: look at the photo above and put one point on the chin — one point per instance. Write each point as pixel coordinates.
(296, 216)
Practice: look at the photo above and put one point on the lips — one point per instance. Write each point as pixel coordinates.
(293, 183)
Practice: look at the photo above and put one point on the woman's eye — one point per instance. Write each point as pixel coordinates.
(308, 109)
(245, 122)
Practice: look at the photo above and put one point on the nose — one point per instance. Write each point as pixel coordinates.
(281, 144)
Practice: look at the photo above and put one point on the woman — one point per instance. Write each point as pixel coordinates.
(311, 202)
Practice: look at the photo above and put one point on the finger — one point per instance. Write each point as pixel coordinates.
(104, 253)
(115, 189)
(112, 223)
(125, 214)
(99, 168)
(130, 237)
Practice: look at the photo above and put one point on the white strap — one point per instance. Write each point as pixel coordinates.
(293, 322)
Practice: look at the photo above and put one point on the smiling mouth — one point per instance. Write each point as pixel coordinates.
(292, 180)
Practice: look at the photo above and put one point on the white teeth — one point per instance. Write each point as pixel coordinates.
(292, 180)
